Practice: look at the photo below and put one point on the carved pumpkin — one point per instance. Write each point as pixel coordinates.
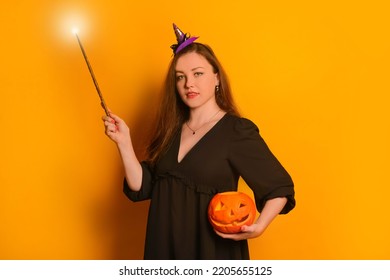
(229, 211)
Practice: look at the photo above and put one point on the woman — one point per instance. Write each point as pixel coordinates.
(201, 146)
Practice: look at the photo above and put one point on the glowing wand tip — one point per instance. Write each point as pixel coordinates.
(75, 30)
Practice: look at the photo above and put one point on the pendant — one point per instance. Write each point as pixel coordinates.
(193, 133)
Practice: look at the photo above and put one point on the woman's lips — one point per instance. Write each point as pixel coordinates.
(191, 94)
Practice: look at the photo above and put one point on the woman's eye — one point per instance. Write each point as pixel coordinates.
(180, 77)
(197, 74)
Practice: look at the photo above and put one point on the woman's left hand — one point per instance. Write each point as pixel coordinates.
(247, 232)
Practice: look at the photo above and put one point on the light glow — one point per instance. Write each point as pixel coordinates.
(75, 30)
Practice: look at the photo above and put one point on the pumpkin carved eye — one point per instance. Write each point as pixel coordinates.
(229, 211)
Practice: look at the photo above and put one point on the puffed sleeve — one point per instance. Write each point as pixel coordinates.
(252, 159)
(146, 187)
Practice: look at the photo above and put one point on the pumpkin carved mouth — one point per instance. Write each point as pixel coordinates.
(229, 211)
(243, 219)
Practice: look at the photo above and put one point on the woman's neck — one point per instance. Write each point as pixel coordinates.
(203, 114)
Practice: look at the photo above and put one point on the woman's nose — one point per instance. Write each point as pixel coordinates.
(189, 82)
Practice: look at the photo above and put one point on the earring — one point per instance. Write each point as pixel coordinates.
(217, 88)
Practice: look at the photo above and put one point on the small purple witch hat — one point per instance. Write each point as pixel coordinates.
(183, 40)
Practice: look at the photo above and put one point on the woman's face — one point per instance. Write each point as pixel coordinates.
(195, 80)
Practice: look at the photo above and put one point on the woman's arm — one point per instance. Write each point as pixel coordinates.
(117, 130)
(271, 209)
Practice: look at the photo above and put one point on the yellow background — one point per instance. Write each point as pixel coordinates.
(313, 75)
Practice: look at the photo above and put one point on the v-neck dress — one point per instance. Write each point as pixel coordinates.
(178, 226)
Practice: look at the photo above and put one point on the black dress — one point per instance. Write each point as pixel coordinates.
(180, 192)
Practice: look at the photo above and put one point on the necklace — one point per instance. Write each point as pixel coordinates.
(209, 121)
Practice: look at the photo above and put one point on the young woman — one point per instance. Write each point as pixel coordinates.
(201, 146)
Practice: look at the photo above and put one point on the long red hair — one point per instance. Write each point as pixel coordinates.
(173, 112)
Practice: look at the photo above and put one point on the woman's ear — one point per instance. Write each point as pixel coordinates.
(217, 79)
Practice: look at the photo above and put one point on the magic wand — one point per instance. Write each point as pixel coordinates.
(102, 102)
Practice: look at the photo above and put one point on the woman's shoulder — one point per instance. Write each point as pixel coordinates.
(241, 124)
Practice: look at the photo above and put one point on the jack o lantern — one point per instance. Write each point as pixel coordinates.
(229, 211)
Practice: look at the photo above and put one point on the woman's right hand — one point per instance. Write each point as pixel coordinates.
(116, 129)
